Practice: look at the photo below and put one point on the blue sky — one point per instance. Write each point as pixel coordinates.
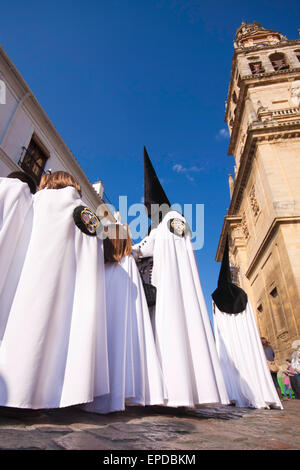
(115, 75)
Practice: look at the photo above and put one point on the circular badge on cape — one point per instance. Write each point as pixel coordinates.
(86, 220)
(177, 226)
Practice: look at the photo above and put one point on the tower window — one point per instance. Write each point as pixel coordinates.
(234, 97)
(278, 61)
(260, 308)
(256, 67)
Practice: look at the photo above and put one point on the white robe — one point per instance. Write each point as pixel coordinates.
(245, 369)
(54, 350)
(15, 230)
(134, 369)
(182, 328)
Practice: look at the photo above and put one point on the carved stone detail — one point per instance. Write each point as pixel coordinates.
(244, 226)
(254, 35)
(283, 336)
(253, 202)
(295, 93)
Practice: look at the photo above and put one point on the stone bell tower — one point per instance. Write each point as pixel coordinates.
(263, 220)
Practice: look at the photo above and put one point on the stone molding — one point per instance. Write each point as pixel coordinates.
(273, 227)
(258, 132)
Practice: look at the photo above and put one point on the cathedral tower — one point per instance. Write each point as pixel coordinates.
(263, 220)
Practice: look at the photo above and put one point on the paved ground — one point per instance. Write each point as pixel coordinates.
(210, 428)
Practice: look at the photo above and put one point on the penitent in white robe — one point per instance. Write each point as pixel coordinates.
(15, 230)
(54, 350)
(134, 369)
(245, 369)
(182, 328)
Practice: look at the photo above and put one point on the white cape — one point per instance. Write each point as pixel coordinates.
(245, 369)
(134, 370)
(183, 332)
(54, 350)
(15, 229)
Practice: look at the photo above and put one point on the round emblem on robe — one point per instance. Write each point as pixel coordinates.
(177, 226)
(86, 220)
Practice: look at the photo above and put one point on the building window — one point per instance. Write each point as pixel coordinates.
(234, 97)
(277, 309)
(278, 61)
(34, 159)
(297, 52)
(234, 271)
(260, 308)
(256, 67)
(274, 293)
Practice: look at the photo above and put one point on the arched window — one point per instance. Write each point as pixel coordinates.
(234, 97)
(278, 61)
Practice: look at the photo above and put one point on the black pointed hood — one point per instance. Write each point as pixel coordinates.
(228, 297)
(153, 190)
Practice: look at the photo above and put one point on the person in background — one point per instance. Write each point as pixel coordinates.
(295, 379)
(286, 372)
(270, 356)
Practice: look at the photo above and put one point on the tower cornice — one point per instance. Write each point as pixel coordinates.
(248, 81)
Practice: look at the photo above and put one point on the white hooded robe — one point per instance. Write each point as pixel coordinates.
(54, 350)
(245, 369)
(134, 370)
(182, 329)
(15, 231)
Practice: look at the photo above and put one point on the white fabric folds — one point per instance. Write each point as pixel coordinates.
(134, 370)
(54, 350)
(245, 369)
(182, 328)
(15, 230)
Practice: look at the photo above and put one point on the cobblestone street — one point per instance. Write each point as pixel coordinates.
(153, 428)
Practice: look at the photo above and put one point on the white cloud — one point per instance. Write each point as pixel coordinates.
(178, 168)
(223, 134)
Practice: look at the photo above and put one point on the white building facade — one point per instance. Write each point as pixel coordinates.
(29, 140)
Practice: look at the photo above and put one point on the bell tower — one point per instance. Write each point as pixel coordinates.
(263, 220)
